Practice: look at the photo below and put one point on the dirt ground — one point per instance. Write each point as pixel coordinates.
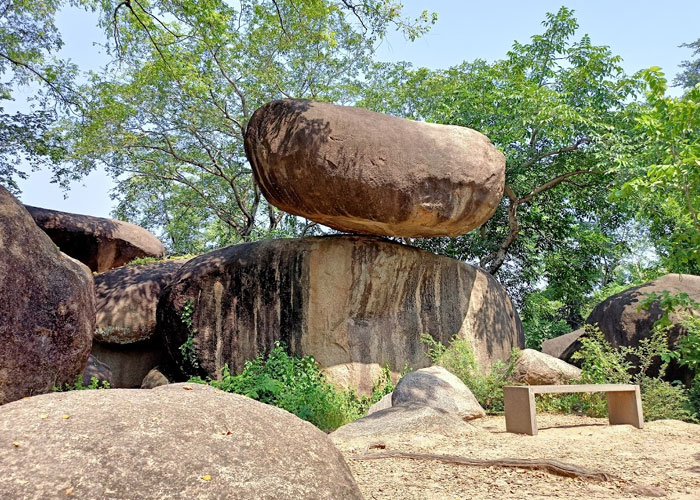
(661, 460)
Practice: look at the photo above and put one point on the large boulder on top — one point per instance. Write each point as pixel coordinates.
(354, 303)
(360, 171)
(438, 388)
(537, 368)
(623, 324)
(48, 313)
(180, 441)
(99, 243)
(126, 337)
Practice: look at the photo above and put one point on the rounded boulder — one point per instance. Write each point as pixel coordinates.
(364, 172)
(97, 242)
(48, 314)
(180, 441)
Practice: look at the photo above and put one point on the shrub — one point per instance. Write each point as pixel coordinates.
(297, 385)
(459, 360)
(79, 386)
(602, 363)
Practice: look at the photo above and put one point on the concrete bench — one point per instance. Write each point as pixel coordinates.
(624, 404)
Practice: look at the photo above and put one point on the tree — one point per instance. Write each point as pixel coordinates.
(665, 181)
(168, 120)
(690, 76)
(29, 41)
(558, 110)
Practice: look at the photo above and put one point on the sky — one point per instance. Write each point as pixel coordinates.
(644, 33)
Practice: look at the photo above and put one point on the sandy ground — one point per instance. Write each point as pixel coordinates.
(663, 459)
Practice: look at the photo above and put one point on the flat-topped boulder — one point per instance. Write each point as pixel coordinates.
(364, 172)
(98, 242)
(354, 303)
(125, 337)
(180, 441)
(48, 313)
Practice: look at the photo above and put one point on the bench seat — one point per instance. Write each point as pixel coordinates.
(624, 404)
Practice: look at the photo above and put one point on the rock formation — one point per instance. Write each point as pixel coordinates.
(48, 313)
(176, 441)
(126, 337)
(360, 171)
(99, 370)
(621, 322)
(99, 243)
(563, 346)
(537, 368)
(354, 303)
(438, 388)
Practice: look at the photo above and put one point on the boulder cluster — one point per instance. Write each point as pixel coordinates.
(355, 302)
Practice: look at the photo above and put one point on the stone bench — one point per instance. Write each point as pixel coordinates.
(624, 404)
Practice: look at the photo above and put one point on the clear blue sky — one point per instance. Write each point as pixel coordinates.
(645, 33)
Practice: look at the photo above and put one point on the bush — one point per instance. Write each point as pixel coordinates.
(79, 386)
(602, 363)
(297, 385)
(459, 360)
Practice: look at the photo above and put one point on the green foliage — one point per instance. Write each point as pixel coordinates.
(557, 107)
(665, 183)
(142, 261)
(79, 386)
(458, 358)
(690, 76)
(687, 351)
(190, 364)
(29, 42)
(542, 319)
(602, 363)
(168, 120)
(297, 385)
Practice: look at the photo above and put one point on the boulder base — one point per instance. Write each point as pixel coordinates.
(355, 303)
(176, 441)
(364, 172)
(48, 313)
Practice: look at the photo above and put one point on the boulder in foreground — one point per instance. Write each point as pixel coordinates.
(364, 172)
(180, 441)
(97, 242)
(48, 313)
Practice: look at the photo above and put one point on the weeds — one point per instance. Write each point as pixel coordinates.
(297, 385)
(79, 386)
(189, 364)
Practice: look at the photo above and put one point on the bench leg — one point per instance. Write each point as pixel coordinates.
(520, 410)
(625, 408)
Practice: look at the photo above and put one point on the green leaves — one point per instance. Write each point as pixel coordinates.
(665, 182)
